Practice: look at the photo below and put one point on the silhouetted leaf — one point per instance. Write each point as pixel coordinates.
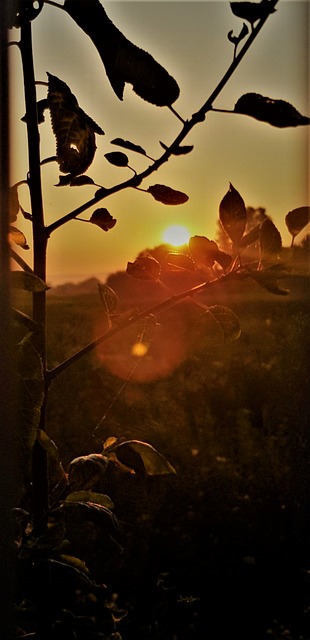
(236, 39)
(17, 236)
(144, 268)
(73, 128)
(79, 181)
(266, 279)
(297, 219)
(178, 150)
(223, 259)
(203, 250)
(227, 322)
(90, 496)
(129, 145)
(103, 219)
(252, 11)
(250, 237)
(108, 298)
(233, 214)
(153, 462)
(269, 240)
(117, 158)
(28, 282)
(166, 195)
(276, 112)
(123, 61)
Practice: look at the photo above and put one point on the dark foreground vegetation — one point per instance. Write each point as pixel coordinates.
(221, 549)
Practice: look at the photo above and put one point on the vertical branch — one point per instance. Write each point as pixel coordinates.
(8, 462)
(39, 464)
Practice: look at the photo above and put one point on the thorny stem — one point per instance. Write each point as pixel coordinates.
(188, 125)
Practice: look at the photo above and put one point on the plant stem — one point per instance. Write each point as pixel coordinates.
(39, 464)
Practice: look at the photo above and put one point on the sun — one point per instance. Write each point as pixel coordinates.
(176, 235)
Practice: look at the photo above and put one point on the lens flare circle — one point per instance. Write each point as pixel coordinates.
(176, 235)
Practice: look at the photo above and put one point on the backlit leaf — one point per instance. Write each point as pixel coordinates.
(129, 145)
(266, 279)
(123, 61)
(177, 261)
(297, 219)
(227, 321)
(144, 268)
(17, 236)
(73, 128)
(278, 113)
(13, 203)
(86, 472)
(28, 282)
(90, 496)
(166, 195)
(269, 240)
(154, 463)
(48, 444)
(103, 219)
(232, 212)
(203, 250)
(117, 158)
(252, 11)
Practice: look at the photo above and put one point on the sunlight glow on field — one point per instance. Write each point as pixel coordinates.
(177, 235)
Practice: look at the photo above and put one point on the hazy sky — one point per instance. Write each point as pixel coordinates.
(268, 166)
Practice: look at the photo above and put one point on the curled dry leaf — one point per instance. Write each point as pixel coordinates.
(232, 212)
(144, 268)
(17, 236)
(297, 219)
(278, 113)
(103, 219)
(73, 128)
(123, 60)
(166, 195)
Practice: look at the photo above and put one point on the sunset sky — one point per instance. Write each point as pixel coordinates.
(268, 166)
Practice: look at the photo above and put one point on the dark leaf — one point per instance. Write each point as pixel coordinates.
(267, 280)
(64, 181)
(269, 240)
(276, 112)
(48, 444)
(108, 298)
(86, 472)
(223, 259)
(233, 214)
(17, 236)
(177, 261)
(297, 219)
(203, 250)
(250, 237)
(79, 181)
(227, 322)
(13, 203)
(103, 219)
(73, 128)
(28, 282)
(144, 268)
(123, 61)
(252, 11)
(117, 158)
(128, 145)
(142, 457)
(178, 150)
(166, 195)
